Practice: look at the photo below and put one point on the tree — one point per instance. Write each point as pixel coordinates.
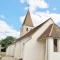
(7, 41)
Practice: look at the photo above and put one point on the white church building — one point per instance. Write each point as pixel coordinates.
(36, 43)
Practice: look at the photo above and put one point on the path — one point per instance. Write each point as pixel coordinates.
(8, 58)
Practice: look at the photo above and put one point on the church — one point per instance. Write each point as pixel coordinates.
(36, 43)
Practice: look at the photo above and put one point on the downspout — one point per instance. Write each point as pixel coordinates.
(45, 51)
(47, 48)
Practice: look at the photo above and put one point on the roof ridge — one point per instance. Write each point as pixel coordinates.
(51, 30)
(51, 19)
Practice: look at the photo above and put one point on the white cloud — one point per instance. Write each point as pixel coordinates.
(45, 15)
(2, 16)
(39, 17)
(22, 1)
(33, 4)
(22, 18)
(54, 9)
(6, 30)
(26, 8)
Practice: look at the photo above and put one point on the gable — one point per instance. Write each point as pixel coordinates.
(52, 31)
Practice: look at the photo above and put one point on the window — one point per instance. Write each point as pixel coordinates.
(26, 29)
(55, 45)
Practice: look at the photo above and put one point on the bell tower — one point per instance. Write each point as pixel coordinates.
(27, 24)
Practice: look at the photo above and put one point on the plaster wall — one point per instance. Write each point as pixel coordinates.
(17, 50)
(12, 50)
(23, 30)
(51, 54)
(8, 50)
(34, 50)
(20, 48)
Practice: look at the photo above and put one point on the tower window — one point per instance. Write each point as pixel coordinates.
(26, 29)
(55, 45)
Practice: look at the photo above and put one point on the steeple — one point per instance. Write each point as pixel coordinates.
(27, 25)
(27, 20)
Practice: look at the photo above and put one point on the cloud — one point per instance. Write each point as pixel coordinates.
(45, 15)
(54, 9)
(39, 17)
(2, 16)
(34, 4)
(7, 30)
(22, 1)
(22, 19)
(26, 8)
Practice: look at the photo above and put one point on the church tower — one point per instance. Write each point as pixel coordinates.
(27, 24)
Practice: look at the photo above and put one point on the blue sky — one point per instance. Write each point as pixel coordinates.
(11, 10)
(12, 13)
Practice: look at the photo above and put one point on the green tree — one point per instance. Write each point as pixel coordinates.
(7, 41)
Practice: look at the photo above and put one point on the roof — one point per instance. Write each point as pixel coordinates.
(52, 31)
(47, 32)
(31, 32)
(28, 20)
(55, 31)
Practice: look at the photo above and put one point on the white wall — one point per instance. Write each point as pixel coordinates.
(19, 48)
(32, 47)
(23, 30)
(51, 54)
(35, 50)
(56, 56)
(12, 50)
(50, 48)
(8, 50)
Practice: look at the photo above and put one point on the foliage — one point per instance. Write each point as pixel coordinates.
(7, 41)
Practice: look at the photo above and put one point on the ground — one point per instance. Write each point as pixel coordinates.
(8, 58)
(4, 57)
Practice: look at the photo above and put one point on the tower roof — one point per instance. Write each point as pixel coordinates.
(27, 20)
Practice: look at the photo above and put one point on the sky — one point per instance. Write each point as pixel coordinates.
(13, 12)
